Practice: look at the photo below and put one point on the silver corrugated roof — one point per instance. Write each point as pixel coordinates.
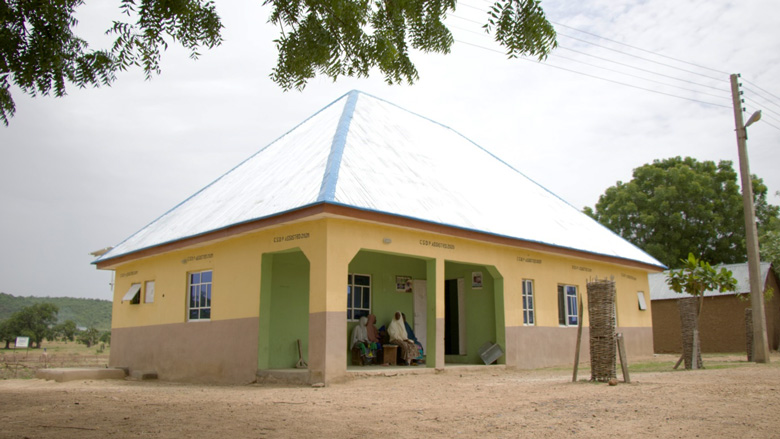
(363, 152)
(659, 289)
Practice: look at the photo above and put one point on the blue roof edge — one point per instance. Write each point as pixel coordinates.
(383, 213)
(333, 166)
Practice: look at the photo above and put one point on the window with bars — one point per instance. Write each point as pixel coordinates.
(358, 296)
(200, 295)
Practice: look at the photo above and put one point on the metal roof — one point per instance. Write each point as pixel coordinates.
(366, 153)
(659, 289)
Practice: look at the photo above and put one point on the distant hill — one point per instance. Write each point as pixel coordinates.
(85, 312)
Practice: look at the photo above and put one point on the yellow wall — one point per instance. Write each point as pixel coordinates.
(330, 244)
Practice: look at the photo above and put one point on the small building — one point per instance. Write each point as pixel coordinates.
(722, 319)
(365, 208)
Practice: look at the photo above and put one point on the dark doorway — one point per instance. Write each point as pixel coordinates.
(451, 319)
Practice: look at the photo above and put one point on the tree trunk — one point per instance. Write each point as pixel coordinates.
(689, 320)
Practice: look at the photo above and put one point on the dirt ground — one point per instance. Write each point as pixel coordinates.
(724, 400)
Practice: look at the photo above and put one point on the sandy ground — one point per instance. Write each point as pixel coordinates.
(741, 401)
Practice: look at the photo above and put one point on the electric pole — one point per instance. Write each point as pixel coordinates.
(760, 345)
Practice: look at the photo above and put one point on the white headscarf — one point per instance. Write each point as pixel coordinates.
(359, 333)
(396, 329)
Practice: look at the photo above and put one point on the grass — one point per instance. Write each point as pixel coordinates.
(666, 362)
(22, 363)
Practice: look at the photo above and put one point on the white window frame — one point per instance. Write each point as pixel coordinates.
(133, 294)
(529, 313)
(200, 303)
(149, 291)
(355, 312)
(640, 295)
(569, 301)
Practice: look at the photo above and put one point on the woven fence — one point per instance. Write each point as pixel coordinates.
(601, 310)
(688, 323)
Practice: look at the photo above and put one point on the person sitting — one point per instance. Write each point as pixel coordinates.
(398, 336)
(360, 341)
(409, 332)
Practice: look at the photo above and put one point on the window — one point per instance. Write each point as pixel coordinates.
(640, 295)
(200, 296)
(149, 292)
(133, 294)
(528, 302)
(567, 305)
(358, 296)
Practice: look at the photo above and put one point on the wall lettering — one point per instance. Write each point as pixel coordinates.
(437, 244)
(627, 276)
(529, 260)
(197, 258)
(291, 237)
(128, 273)
(577, 267)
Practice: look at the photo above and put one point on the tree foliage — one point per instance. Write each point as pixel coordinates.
(679, 205)
(33, 321)
(88, 337)
(39, 52)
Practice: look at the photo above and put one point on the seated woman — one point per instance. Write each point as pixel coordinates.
(361, 342)
(398, 336)
(410, 333)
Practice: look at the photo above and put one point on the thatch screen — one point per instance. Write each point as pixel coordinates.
(601, 310)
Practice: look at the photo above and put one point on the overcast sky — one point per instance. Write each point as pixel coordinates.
(86, 171)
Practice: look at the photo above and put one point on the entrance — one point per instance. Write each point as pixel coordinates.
(454, 317)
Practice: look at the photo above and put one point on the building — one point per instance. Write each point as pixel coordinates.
(332, 221)
(722, 319)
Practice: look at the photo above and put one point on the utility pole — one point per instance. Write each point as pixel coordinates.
(760, 344)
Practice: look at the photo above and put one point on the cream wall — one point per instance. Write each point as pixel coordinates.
(330, 244)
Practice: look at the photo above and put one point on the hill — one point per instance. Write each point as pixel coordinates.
(85, 312)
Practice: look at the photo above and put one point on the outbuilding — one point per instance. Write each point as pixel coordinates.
(365, 208)
(722, 321)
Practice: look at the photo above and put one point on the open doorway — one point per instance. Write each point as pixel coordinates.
(454, 317)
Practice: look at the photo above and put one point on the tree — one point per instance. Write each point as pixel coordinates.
(89, 336)
(35, 321)
(680, 205)
(65, 331)
(695, 278)
(39, 51)
(7, 332)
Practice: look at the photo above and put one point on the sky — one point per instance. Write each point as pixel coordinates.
(631, 82)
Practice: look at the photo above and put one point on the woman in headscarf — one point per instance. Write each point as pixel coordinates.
(361, 341)
(373, 333)
(398, 336)
(410, 333)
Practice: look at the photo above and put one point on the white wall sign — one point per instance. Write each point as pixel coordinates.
(22, 342)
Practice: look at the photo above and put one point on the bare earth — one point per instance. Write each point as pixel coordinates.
(741, 401)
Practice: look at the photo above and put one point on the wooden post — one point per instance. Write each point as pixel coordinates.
(623, 361)
(579, 338)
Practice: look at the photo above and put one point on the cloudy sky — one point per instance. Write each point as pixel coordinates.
(632, 81)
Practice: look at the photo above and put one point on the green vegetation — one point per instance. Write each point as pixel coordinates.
(39, 51)
(679, 205)
(84, 313)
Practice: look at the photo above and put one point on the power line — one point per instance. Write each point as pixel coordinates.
(641, 69)
(639, 48)
(640, 77)
(756, 86)
(598, 77)
(769, 101)
(622, 64)
(639, 57)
